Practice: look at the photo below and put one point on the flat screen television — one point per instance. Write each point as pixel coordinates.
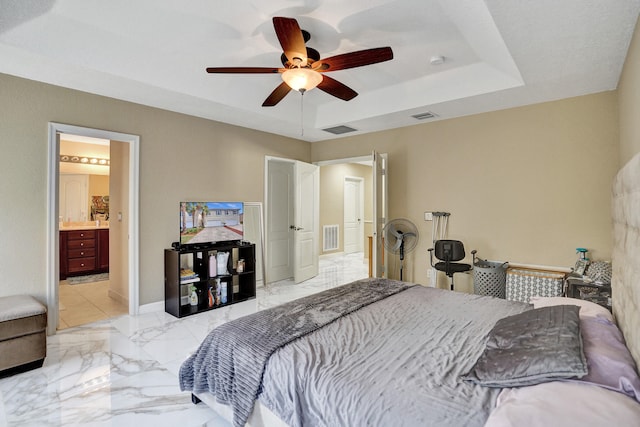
(210, 222)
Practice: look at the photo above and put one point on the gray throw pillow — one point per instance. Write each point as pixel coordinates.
(532, 347)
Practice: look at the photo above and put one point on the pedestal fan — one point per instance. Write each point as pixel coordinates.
(400, 237)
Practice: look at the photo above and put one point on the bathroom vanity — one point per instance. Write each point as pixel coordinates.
(84, 249)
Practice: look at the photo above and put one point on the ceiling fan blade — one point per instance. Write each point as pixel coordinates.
(337, 89)
(291, 39)
(276, 96)
(355, 59)
(249, 70)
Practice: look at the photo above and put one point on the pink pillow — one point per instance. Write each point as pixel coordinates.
(587, 308)
(559, 403)
(609, 361)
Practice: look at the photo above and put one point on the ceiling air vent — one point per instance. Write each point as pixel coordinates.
(424, 116)
(339, 130)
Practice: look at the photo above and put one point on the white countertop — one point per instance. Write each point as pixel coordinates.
(84, 225)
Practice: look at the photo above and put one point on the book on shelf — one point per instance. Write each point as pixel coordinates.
(188, 276)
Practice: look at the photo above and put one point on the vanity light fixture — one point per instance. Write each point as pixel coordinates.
(84, 160)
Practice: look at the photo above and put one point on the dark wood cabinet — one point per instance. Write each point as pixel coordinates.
(63, 255)
(224, 270)
(103, 251)
(83, 252)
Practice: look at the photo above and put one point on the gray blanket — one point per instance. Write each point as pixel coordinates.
(397, 362)
(230, 361)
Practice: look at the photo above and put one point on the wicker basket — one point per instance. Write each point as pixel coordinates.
(524, 283)
(490, 278)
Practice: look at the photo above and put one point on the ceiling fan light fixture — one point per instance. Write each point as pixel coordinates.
(301, 79)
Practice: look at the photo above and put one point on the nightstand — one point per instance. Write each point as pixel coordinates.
(589, 291)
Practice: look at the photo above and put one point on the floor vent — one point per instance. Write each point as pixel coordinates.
(330, 237)
(424, 116)
(338, 130)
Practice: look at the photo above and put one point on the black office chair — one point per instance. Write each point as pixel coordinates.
(448, 252)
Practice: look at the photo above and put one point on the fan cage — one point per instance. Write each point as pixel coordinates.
(406, 226)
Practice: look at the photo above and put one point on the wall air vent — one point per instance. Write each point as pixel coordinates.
(330, 237)
(424, 116)
(338, 130)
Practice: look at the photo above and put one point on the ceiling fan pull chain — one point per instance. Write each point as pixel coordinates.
(302, 113)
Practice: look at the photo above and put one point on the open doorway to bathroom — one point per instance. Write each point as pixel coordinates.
(124, 221)
(86, 291)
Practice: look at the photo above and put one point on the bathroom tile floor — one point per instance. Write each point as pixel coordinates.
(123, 371)
(87, 302)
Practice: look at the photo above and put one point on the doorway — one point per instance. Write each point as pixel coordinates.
(279, 214)
(91, 287)
(123, 221)
(374, 168)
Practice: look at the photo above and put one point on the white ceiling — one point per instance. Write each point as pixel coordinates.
(498, 54)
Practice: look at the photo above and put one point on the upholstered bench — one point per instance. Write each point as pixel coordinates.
(23, 335)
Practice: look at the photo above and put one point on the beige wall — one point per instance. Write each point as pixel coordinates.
(629, 101)
(181, 157)
(119, 224)
(98, 186)
(332, 198)
(526, 185)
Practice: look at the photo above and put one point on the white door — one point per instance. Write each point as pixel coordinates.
(353, 211)
(379, 212)
(307, 220)
(74, 200)
(279, 213)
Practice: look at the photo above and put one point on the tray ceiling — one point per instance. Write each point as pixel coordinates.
(497, 54)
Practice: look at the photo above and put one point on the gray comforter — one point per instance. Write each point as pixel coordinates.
(230, 361)
(397, 362)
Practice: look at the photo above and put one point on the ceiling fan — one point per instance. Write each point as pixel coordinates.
(303, 69)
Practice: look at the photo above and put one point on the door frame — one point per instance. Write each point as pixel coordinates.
(379, 262)
(53, 231)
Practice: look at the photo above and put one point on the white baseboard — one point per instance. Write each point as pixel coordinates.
(332, 255)
(118, 297)
(151, 308)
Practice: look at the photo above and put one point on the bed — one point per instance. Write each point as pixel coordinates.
(379, 352)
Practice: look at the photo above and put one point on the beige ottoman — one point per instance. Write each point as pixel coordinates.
(23, 335)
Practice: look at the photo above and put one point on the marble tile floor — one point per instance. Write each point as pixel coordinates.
(124, 371)
(86, 303)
